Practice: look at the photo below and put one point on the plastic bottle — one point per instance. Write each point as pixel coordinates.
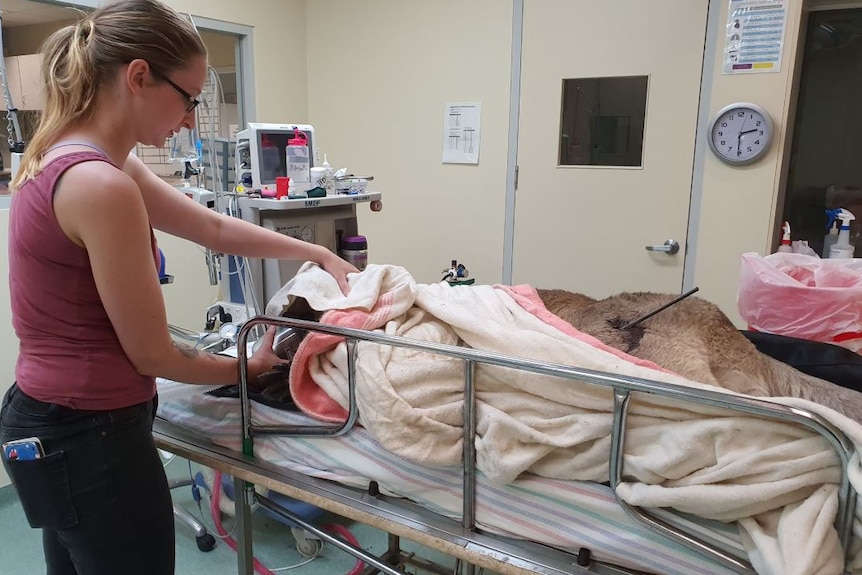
(785, 239)
(298, 161)
(843, 249)
(354, 249)
(330, 177)
(830, 238)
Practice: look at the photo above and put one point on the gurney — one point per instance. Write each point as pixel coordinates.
(477, 545)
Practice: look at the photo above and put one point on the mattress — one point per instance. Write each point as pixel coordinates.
(564, 514)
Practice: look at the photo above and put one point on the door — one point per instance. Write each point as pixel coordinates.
(585, 228)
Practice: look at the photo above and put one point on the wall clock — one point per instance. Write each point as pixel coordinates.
(741, 133)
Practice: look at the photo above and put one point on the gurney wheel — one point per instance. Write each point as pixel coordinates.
(309, 547)
(205, 542)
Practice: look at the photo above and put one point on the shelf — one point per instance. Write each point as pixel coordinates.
(303, 203)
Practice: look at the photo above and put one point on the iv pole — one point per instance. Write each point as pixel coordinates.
(13, 128)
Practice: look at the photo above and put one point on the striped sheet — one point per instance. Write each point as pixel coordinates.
(564, 514)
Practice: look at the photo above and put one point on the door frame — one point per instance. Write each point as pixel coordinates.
(711, 46)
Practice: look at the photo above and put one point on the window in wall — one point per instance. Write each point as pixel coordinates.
(824, 167)
(602, 121)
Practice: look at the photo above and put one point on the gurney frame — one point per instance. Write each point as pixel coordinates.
(402, 518)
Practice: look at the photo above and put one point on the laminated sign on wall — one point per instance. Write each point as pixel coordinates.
(755, 36)
(461, 132)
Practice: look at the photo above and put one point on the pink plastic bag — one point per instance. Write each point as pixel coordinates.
(803, 296)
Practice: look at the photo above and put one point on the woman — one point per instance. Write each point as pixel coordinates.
(86, 302)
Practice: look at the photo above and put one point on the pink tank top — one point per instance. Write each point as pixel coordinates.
(69, 352)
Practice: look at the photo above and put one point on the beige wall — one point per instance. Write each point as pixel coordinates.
(377, 102)
(279, 50)
(379, 75)
(739, 203)
(373, 77)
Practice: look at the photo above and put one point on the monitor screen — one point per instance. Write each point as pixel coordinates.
(273, 156)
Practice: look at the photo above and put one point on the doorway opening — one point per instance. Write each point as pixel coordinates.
(824, 169)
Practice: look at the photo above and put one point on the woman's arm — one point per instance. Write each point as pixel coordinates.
(101, 209)
(172, 212)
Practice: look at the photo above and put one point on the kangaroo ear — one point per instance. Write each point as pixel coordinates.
(300, 309)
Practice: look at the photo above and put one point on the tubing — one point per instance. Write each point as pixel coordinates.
(216, 513)
(259, 567)
(345, 533)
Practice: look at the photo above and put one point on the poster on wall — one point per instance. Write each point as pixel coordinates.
(462, 132)
(755, 36)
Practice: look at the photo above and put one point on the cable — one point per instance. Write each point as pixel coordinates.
(249, 293)
(216, 513)
(297, 566)
(210, 105)
(196, 495)
(240, 263)
(334, 528)
(218, 99)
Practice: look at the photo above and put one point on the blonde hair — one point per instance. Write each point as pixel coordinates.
(78, 59)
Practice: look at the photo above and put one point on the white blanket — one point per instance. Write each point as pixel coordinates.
(778, 481)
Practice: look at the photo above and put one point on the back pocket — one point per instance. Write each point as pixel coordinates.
(43, 488)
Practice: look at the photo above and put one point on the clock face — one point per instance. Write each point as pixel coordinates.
(307, 234)
(741, 133)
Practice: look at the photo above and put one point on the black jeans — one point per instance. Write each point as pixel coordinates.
(99, 494)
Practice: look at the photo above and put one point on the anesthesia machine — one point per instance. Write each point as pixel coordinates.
(317, 213)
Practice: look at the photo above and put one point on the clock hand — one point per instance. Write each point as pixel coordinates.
(747, 132)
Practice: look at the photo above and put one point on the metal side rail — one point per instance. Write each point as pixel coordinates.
(396, 516)
(622, 385)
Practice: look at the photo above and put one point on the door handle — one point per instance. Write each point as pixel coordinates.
(670, 247)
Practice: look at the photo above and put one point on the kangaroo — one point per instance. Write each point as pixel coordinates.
(694, 339)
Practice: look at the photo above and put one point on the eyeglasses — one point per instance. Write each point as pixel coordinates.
(192, 102)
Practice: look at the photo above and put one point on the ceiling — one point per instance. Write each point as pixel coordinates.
(25, 12)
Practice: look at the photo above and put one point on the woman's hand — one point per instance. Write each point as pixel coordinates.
(338, 268)
(264, 359)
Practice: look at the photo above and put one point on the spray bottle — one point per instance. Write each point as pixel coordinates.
(832, 235)
(330, 177)
(785, 239)
(843, 248)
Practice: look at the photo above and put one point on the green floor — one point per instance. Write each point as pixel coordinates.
(274, 545)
